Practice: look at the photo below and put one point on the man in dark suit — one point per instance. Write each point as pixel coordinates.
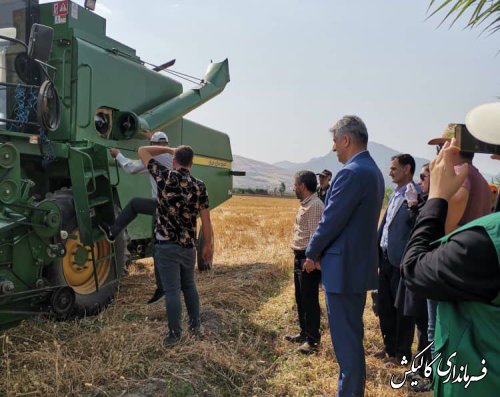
(397, 329)
(345, 247)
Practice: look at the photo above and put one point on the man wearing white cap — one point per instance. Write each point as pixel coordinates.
(136, 166)
(138, 205)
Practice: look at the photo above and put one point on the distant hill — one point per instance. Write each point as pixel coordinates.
(269, 176)
(260, 175)
(381, 154)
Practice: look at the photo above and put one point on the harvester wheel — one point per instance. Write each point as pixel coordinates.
(76, 269)
(202, 265)
(62, 302)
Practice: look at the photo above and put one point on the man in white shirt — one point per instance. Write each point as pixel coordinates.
(133, 167)
(138, 205)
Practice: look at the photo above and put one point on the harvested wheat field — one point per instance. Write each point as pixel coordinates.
(247, 307)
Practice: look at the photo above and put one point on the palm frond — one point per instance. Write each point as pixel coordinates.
(481, 12)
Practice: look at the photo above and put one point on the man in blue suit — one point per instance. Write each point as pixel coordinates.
(345, 247)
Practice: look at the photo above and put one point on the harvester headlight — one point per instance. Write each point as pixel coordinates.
(90, 5)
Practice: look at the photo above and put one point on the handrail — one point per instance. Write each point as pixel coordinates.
(94, 185)
(86, 65)
(63, 79)
(117, 175)
(94, 265)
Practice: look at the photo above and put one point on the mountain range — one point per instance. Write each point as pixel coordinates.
(261, 175)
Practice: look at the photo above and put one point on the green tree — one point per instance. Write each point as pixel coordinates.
(479, 12)
(282, 188)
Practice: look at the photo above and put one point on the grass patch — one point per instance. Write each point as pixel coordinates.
(247, 306)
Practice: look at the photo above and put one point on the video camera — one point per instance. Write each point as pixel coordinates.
(481, 131)
(467, 142)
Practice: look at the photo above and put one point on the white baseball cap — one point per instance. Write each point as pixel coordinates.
(159, 136)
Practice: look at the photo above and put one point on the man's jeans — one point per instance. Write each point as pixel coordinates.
(175, 266)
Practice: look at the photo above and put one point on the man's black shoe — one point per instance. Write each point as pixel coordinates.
(158, 294)
(421, 384)
(299, 338)
(198, 331)
(171, 340)
(382, 354)
(106, 229)
(308, 348)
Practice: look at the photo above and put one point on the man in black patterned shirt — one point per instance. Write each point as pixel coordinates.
(181, 198)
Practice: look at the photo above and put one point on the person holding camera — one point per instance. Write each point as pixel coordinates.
(462, 271)
(473, 199)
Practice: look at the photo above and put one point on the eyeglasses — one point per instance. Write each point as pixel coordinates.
(423, 176)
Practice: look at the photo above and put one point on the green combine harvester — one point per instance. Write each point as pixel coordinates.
(68, 93)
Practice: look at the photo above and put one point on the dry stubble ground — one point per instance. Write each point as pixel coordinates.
(247, 307)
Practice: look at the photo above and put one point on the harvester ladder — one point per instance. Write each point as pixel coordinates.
(93, 196)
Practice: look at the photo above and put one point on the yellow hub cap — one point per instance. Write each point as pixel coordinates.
(78, 268)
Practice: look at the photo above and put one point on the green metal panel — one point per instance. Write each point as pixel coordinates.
(22, 270)
(212, 144)
(218, 182)
(206, 141)
(107, 80)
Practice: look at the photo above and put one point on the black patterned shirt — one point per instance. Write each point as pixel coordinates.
(180, 199)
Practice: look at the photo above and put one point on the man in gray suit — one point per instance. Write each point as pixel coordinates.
(344, 246)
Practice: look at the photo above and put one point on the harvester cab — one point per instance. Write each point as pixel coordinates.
(68, 93)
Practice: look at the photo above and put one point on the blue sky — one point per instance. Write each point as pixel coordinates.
(298, 65)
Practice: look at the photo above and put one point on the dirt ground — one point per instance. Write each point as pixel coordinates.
(247, 308)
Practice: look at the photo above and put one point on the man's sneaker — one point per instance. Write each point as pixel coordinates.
(106, 229)
(308, 348)
(299, 338)
(171, 340)
(421, 384)
(158, 294)
(383, 355)
(197, 331)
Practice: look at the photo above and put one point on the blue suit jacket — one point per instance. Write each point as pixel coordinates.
(399, 230)
(346, 237)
